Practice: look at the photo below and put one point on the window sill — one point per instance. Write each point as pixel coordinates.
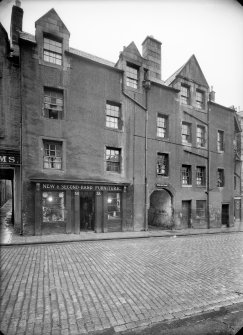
(186, 185)
(187, 144)
(115, 129)
(165, 139)
(162, 175)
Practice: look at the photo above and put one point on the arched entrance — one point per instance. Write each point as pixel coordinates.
(160, 214)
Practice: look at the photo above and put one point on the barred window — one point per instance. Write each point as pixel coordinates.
(132, 75)
(186, 175)
(52, 155)
(113, 116)
(186, 133)
(201, 208)
(113, 159)
(52, 51)
(201, 176)
(53, 103)
(163, 164)
(220, 178)
(201, 136)
(114, 205)
(199, 99)
(220, 140)
(162, 126)
(185, 94)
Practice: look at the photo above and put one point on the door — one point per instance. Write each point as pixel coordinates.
(87, 211)
(225, 215)
(186, 213)
(237, 209)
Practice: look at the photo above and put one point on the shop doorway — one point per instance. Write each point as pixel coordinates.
(7, 195)
(87, 211)
(225, 215)
(186, 213)
(160, 214)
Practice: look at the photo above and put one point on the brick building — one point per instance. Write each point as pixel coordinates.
(111, 147)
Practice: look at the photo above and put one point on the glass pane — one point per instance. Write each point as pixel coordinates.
(53, 206)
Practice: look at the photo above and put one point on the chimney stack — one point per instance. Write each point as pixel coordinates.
(152, 52)
(16, 24)
(212, 95)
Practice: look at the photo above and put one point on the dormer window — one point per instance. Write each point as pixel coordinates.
(199, 99)
(185, 94)
(52, 51)
(132, 75)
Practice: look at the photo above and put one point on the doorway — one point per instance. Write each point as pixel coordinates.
(160, 214)
(7, 194)
(87, 211)
(225, 215)
(186, 213)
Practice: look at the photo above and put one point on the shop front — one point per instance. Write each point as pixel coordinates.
(63, 207)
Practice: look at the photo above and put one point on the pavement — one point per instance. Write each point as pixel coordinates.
(119, 286)
(10, 237)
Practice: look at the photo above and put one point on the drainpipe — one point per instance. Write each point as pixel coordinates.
(208, 168)
(21, 148)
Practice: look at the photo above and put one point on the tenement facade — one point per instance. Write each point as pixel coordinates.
(105, 146)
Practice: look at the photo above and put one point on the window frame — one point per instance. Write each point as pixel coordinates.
(202, 139)
(185, 98)
(220, 142)
(113, 119)
(201, 175)
(52, 53)
(51, 109)
(201, 211)
(160, 160)
(163, 130)
(185, 123)
(132, 75)
(200, 103)
(186, 174)
(114, 196)
(220, 179)
(113, 162)
(47, 159)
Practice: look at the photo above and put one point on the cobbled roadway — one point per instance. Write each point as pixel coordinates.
(77, 288)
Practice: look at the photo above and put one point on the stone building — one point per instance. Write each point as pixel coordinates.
(110, 146)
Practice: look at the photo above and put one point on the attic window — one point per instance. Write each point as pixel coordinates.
(132, 75)
(52, 51)
(185, 94)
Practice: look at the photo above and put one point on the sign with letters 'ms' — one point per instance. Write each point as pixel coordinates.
(8, 158)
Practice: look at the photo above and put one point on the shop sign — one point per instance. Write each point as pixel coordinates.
(8, 158)
(80, 187)
(161, 185)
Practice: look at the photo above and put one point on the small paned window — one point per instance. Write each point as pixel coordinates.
(186, 175)
(201, 176)
(113, 119)
(199, 99)
(162, 126)
(186, 133)
(201, 136)
(52, 51)
(220, 140)
(201, 208)
(220, 178)
(185, 94)
(53, 206)
(53, 103)
(52, 155)
(132, 75)
(114, 205)
(163, 164)
(113, 159)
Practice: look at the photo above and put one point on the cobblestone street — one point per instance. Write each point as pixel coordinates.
(80, 287)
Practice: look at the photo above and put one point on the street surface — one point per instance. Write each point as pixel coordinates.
(119, 285)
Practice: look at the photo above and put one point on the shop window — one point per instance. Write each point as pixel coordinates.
(52, 51)
(113, 116)
(201, 208)
(220, 178)
(186, 175)
(53, 206)
(53, 103)
(163, 164)
(186, 133)
(114, 205)
(113, 159)
(199, 99)
(220, 140)
(162, 126)
(201, 136)
(185, 94)
(132, 75)
(52, 155)
(201, 176)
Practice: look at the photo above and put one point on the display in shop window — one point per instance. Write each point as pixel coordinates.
(53, 206)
